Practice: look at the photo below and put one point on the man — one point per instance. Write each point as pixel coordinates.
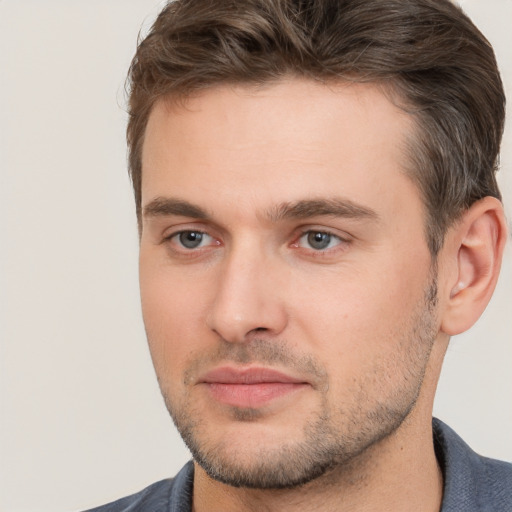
(318, 214)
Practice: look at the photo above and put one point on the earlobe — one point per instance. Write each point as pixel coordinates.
(476, 244)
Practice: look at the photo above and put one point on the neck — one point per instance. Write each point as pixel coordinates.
(400, 473)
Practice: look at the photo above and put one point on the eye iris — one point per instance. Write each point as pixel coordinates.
(319, 240)
(191, 239)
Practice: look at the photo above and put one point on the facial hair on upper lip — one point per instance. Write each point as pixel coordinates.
(259, 352)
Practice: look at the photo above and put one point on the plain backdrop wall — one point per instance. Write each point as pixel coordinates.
(82, 420)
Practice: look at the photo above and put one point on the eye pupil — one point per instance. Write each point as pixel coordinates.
(319, 240)
(191, 239)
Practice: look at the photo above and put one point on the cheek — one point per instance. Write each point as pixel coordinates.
(368, 344)
(174, 312)
(356, 316)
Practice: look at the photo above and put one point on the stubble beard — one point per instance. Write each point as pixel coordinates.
(327, 443)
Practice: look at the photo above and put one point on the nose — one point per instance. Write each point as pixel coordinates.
(248, 299)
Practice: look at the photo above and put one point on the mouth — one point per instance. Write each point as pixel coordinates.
(249, 387)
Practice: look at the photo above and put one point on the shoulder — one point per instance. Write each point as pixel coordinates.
(171, 494)
(472, 482)
(153, 497)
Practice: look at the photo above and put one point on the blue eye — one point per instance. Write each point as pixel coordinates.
(318, 240)
(192, 239)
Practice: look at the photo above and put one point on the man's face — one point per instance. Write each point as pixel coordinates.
(286, 281)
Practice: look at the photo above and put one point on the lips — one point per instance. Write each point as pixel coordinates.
(249, 387)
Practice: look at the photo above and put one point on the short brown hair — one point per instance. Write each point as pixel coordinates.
(427, 51)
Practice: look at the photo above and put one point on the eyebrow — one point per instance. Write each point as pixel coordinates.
(164, 206)
(336, 207)
(302, 209)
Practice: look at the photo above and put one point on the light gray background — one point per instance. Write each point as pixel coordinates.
(82, 421)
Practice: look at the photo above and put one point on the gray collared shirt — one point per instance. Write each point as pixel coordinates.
(472, 483)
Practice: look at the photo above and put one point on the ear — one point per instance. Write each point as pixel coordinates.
(474, 249)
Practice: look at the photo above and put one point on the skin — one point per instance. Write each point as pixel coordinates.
(361, 325)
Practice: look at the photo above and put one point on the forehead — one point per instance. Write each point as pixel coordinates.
(276, 142)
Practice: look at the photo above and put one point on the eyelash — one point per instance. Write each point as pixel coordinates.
(320, 252)
(189, 251)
